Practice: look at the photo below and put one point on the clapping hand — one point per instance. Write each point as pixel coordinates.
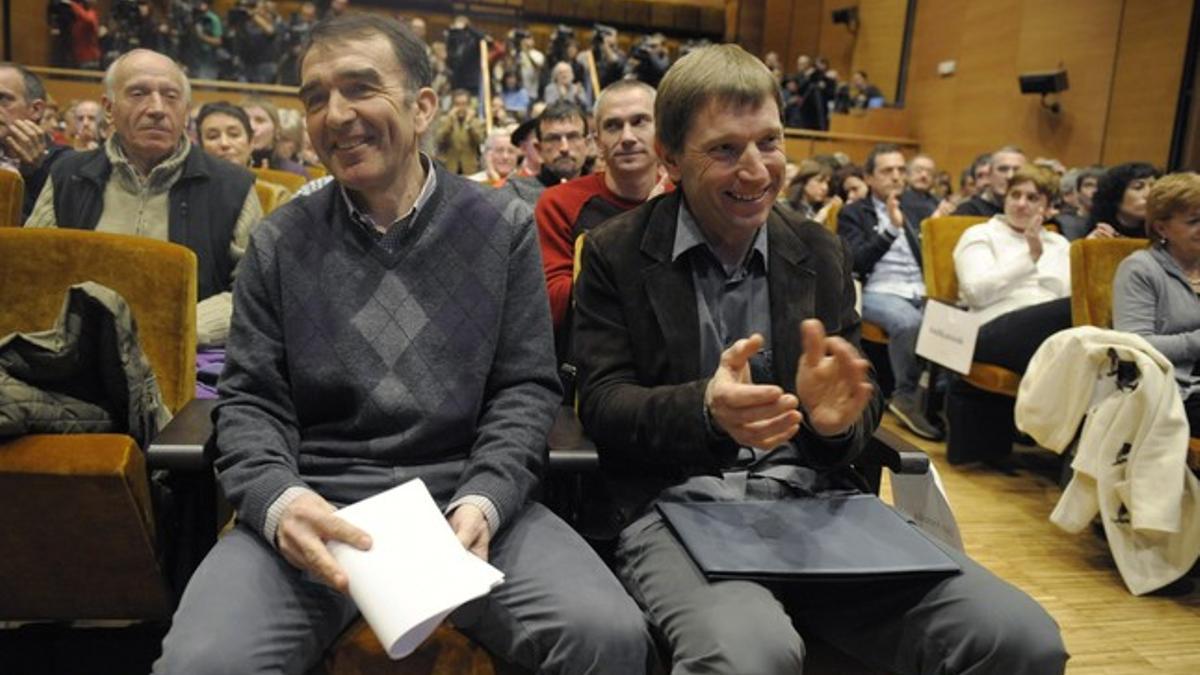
(831, 380)
(754, 415)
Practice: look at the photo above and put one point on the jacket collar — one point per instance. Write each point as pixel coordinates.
(672, 294)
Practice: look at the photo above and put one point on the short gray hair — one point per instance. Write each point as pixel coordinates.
(110, 74)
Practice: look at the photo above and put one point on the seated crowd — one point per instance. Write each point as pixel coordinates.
(713, 324)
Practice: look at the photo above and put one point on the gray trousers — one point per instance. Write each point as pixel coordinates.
(559, 610)
(971, 623)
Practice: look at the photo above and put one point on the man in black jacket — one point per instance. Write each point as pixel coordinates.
(885, 239)
(716, 337)
(24, 146)
(988, 199)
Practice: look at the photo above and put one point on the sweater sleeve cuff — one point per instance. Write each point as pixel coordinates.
(275, 511)
(213, 315)
(490, 513)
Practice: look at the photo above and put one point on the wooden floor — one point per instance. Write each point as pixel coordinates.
(1004, 519)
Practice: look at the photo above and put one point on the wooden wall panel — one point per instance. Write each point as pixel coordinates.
(1145, 86)
(980, 107)
(878, 44)
(805, 34)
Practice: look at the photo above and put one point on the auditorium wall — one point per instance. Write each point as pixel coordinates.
(1124, 59)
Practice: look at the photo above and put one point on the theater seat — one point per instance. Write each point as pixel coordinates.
(292, 181)
(1094, 263)
(446, 652)
(271, 195)
(81, 537)
(12, 195)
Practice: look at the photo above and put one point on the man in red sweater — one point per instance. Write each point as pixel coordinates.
(625, 138)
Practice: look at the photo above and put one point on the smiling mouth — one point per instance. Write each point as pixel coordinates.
(350, 144)
(747, 199)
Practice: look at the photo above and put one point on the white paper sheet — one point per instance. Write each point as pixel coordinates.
(947, 336)
(416, 571)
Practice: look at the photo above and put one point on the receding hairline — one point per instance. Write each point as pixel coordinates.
(110, 75)
(621, 88)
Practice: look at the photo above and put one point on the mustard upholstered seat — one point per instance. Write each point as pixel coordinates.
(289, 180)
(75, 509)
(12, 196)
(1093, 265)
(271, 195)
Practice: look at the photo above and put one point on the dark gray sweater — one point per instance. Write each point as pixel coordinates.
(435, 361)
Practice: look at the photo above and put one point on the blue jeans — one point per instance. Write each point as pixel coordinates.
(901, 318)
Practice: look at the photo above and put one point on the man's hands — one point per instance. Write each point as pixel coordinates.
(26, 142)
(1103, 231)
(471, 528)
(306, 524)
(754, 415)
(831, 380)
(895, 215)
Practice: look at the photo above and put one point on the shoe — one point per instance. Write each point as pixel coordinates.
(908, 409)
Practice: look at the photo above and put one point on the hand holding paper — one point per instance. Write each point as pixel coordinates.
(306, 524)
(416, 572)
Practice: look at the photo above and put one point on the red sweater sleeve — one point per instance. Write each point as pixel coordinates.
(554, 215)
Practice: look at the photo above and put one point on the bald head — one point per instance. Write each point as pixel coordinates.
(146, 97)
(135, 59)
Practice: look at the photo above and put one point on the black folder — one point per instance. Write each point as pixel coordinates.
(834, 538)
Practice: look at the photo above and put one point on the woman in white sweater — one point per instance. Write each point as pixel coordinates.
(1016, 277)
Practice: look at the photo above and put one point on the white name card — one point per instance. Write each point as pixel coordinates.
(947, 336)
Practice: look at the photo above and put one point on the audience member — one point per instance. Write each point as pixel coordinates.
(992, 185)
(1119, 202)
(516, 98)
(149, 180)
(264, 118)
(918, 197)
(224, 131)
(86, 119)
(563, 87)
(1015, 277)
(301, 23)
(885, 240)
(460, 395)
(848, 184)
(524, 138)
(1156, 292)
(809, 193)
(785, 410)
(459, 134)
(625, 138)
(1078, 186)
(499, 158)
(85, 34)
(562, 144)
(858, 94)
(25, 147)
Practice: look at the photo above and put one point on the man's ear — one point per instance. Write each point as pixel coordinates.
(669, 161)
(37, 109)
(107, 104)
(426, 104)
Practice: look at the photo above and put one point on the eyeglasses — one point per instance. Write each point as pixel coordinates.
(555, 139)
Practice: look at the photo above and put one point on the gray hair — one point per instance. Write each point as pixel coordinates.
(110, 74)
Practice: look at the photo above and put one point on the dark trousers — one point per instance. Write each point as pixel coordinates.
(972, 622)
(981, 423)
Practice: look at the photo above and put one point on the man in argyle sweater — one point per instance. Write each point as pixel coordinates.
(392, 325)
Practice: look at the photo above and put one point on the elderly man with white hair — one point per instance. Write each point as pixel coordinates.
(149, 180)
(499, 158)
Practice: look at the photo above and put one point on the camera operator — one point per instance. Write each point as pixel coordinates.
(648, 61)
(302, 22)
(259, 38)
(202, 42)
(78, 24)
(530, 61)
(462, 54)
(610, 60)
